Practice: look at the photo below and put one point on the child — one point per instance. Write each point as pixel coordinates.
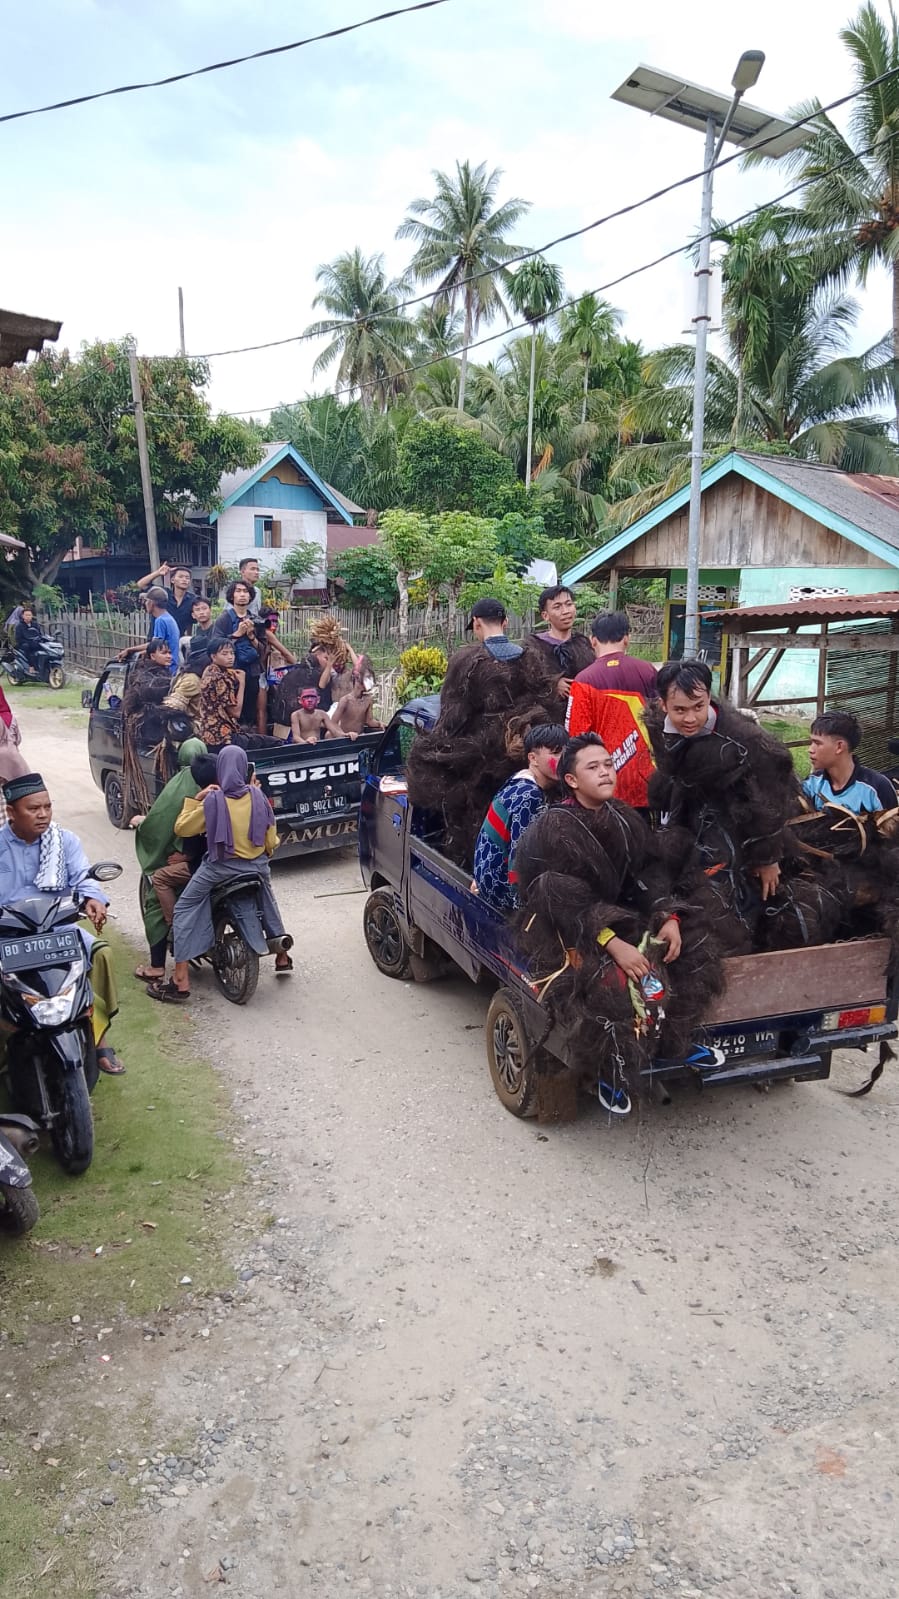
(353, 714)
(308, 724)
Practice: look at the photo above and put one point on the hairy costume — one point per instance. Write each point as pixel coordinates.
(582, 872)
(732, 788)
(486, 707)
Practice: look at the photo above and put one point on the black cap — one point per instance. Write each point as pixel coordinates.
(488, 611)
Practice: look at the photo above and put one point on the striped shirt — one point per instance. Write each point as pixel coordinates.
(511, 811)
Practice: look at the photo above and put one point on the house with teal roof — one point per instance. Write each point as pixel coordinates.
(772, 529)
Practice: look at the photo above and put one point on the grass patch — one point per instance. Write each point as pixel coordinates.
(38, 697)
(787, 729)
(152, 1199)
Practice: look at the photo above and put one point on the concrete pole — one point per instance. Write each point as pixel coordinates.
(181, 319)
(701, 321)
(144, 458)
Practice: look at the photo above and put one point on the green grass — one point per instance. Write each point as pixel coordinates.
(788, 729)
(38, 697)
(152, 1200)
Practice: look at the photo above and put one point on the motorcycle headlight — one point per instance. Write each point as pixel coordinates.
(53, 1012)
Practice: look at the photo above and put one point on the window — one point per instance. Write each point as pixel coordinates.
(267, 533)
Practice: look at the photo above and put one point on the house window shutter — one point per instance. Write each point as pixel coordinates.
(276, 535)
(259, 532)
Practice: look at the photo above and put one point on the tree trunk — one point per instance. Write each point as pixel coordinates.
(466, 340)
(48, 572)
(402, 583)
(896, 340)
(527, 479)
(586, 383)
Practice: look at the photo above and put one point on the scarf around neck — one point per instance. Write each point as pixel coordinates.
(51, 876)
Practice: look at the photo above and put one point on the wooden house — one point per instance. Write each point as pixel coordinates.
(773, 529)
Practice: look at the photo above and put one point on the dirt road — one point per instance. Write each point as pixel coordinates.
(471, 1357)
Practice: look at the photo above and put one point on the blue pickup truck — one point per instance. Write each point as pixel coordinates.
(781, 1016)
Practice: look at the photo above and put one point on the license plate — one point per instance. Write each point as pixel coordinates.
(39, 949)
(746, 1045)
(323, 807)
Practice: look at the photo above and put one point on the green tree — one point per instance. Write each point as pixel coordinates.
(443, 467)
(368, 577)
(68, 449)
(404, 535)
(535, 292)
(588, 329)
(460, 547)
(854, 211)
(369, 336)
(461, 236)
(352, 448)
(301, 560)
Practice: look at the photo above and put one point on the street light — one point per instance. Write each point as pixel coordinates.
(724, 120)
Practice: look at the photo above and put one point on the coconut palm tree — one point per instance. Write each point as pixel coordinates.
(461, 235)
(535, 292)
(856, 209)
(369, 336)
(503, 405)
(588, 328)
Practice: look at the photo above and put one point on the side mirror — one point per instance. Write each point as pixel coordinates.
(106, 871)
(87, 698)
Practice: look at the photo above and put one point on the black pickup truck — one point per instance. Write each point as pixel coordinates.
(314, 790)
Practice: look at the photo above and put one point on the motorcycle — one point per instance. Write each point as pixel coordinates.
(46, 1002)
(45, 668)
(19, 1210)
(238, 940)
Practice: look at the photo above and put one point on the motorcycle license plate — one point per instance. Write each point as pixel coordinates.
(39, 949)
(747, 1045)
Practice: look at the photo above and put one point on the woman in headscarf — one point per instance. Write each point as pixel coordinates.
(241, 835)
(160, 855)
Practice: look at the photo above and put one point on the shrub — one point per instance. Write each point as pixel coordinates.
(422, 670)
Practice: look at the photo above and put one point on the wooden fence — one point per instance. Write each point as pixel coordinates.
(91, 638)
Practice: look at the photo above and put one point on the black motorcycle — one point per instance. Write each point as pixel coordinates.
(238, 936)
(46, 999)
(19, 1210)
(45, 666)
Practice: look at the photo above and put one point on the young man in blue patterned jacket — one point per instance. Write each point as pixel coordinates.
(511, 811)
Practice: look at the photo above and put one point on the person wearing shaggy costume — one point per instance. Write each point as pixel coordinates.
(39, 857)
(492, 693)
(732, 787)
(612, 920)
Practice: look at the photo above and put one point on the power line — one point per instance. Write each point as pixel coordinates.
(624, 277)
(220, 66)
(576, 233)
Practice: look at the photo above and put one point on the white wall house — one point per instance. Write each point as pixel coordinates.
(279, 503)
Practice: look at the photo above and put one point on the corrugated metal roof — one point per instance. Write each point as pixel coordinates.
(829, 608)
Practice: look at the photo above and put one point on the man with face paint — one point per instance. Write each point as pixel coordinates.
(308, 724)
(511, 812)
(354, 712)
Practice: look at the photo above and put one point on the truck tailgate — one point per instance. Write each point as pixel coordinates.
(824, 977)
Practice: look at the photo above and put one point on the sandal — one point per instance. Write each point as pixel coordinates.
(167, 992)
(145, 974)
(108, 1061)
(285, 971)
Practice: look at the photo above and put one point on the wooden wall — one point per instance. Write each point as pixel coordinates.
(743, 525)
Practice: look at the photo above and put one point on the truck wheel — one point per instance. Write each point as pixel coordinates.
(385, 936)
(114, 795)
(514, 1078)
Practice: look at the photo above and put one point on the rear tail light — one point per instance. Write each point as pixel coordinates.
(862, 1016)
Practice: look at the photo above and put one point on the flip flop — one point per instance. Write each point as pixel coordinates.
(144, 975)
(108, 1061)
(167, 993)
(285, 971)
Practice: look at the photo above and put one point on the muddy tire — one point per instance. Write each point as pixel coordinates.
(56, 677)
(19, 1211)
(385, 936)
(73, 1129)
(513, 1076)
(234, 963)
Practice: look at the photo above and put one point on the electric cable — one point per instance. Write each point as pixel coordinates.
(220, 66)
(577, 233)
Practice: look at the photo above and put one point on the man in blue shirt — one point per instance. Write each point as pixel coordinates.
(163, 625)
(38, 857)
(837, 778)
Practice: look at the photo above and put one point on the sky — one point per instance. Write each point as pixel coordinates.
(238, 185)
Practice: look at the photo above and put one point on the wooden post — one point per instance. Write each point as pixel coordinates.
(144, 457)
(822, 672)
(613, 588)
(736, 674)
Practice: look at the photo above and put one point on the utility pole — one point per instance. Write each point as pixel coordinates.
(181, 319)
(144, 456)
(701, 324)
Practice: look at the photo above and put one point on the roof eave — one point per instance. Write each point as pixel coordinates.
(267, 465)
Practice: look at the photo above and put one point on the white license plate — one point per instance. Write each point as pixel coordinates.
(744, 1045)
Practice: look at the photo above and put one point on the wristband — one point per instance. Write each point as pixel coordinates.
(605, 936)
